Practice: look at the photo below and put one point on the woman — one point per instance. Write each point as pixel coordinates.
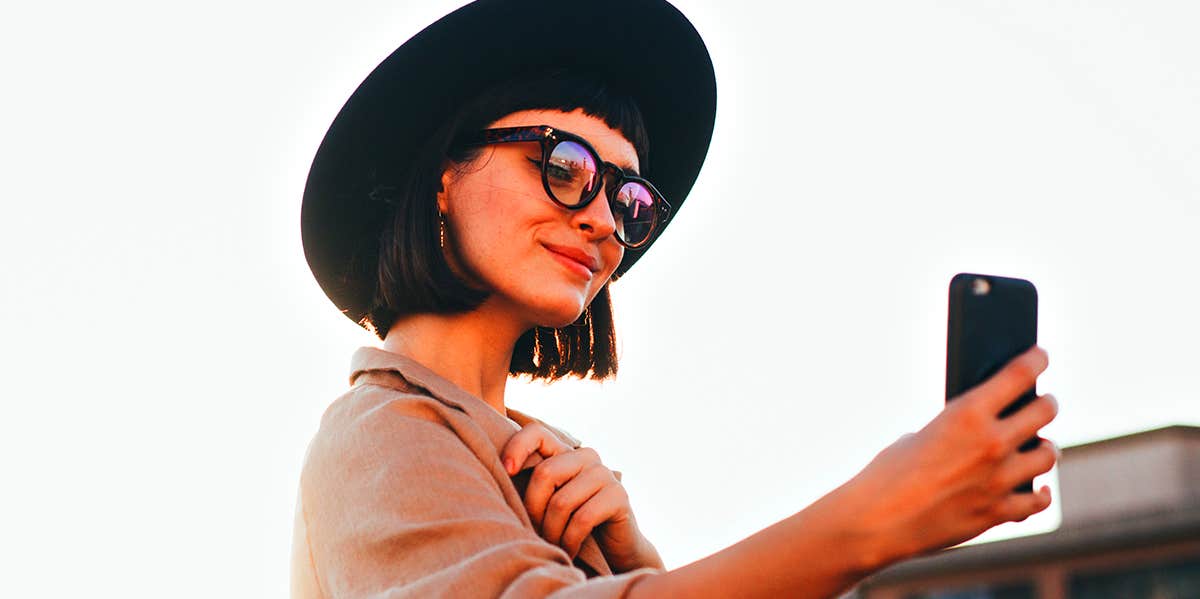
(471, 204)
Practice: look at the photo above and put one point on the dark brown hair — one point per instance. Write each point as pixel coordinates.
(413, 275)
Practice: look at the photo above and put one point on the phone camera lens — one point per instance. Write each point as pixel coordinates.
(980, 287)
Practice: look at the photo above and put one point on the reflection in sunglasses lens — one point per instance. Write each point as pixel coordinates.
(571, 172)
(634, 212)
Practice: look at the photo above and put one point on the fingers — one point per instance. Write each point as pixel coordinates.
(606, 504)
(533, 439)
(1027, 421)
(550, 475)
(1017, 377)
(1019, 506)
(1024, 466)
(571, 497)
(570, 492)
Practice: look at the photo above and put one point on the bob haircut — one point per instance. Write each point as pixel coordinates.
(413, 275)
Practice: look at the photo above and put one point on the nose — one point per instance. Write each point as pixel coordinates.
(596, 219)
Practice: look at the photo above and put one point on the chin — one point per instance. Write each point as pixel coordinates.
(557, 314)
(557, 320)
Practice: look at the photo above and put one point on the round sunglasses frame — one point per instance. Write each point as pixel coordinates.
(549, 138)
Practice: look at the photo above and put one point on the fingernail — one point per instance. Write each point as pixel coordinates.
(510, 466)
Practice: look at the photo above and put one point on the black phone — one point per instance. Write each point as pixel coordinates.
(992, 320)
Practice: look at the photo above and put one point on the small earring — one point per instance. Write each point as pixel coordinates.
(442, 230)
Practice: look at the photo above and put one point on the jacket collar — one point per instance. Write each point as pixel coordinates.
(371, 360)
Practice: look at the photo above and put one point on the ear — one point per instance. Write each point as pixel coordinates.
(443, 193)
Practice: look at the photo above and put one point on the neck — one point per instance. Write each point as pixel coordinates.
(471, 350)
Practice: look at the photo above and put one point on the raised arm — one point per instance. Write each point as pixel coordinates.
(933, 489)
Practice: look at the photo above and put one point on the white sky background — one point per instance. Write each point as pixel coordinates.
(166, 355)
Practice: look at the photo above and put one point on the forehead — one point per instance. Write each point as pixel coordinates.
(609, 143)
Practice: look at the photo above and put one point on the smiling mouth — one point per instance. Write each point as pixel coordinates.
(571, 263)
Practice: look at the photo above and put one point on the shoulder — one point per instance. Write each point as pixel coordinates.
(372, 425)
(366, 405)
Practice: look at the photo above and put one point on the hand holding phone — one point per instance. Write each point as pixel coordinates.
(972, 466)
(959, 474)
(992, 320)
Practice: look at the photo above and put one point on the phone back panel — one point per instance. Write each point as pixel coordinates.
(992, 320)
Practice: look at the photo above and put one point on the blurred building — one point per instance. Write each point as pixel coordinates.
(1130, 530)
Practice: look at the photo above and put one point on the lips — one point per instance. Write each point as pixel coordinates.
(587, 260)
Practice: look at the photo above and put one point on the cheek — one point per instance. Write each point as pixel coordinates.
(489, 229)
(497, 228)
(613, 253)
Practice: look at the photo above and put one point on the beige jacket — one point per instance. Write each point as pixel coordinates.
(403, 495)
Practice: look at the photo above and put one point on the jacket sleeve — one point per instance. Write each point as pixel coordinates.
(397, 505)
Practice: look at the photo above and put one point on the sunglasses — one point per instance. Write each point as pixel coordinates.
(573, 174)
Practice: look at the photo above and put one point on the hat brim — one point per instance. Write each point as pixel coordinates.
(647, 46)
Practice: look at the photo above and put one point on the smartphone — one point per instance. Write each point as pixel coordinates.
(992, 320)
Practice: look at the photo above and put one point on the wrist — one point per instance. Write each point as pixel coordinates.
(857, 528)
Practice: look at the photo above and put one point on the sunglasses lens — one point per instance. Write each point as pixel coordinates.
(571, 173)
(634, 212)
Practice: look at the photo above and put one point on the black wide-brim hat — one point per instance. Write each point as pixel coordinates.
(647, 47)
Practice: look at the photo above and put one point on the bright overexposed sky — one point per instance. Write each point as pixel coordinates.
(165, 355)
